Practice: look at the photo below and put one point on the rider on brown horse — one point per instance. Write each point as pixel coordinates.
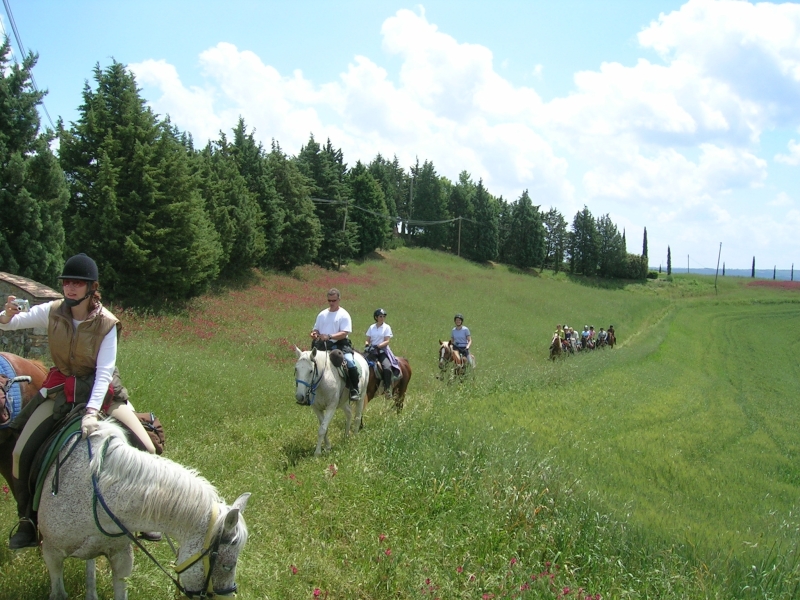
(376, 348)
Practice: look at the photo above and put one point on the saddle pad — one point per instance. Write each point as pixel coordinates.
(14, 394)
(56, 443)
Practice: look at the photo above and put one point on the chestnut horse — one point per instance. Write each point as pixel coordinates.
(399, 384)
(20, 366)
(555, 347)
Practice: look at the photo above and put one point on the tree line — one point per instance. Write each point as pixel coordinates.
(164, 218)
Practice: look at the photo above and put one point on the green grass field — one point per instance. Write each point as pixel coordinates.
(664, 468)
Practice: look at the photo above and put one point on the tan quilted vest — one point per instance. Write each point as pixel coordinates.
(74, 351)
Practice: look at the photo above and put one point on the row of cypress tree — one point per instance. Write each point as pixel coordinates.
(164, 219)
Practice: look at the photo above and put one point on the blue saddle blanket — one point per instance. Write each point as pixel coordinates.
(14, 398)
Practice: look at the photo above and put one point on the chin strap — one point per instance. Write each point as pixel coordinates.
(73, 303)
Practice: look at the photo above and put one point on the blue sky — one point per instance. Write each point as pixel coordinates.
(682, 117)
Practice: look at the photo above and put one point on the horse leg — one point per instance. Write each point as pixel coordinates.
(322, 433)
(54, 559)
(121, 568)
(91, 580)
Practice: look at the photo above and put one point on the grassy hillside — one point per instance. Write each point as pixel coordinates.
(665, 467)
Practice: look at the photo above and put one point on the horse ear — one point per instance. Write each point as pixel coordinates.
(297, 351)
(241, 502)
(231, 521)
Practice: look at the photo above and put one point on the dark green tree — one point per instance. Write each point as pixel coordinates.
(669, 262)
(430, 204)
(555, 239)
(527, 231)
(460, 204)
(252, 162)
(394, 183)
(611, 252)
(504, 241)
(232, 207)
(301, 232)
(583, 244)
(644, 244)
(484, 233)
(368, 210)
(753, 269)
(134, 202)
(325, 169)
(33, 191)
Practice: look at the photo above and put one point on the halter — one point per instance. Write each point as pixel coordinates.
(208, 554)
(311, 388)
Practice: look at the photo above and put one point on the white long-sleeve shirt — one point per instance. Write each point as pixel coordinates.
(39, 315)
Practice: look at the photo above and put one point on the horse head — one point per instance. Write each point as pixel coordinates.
(305, 373)
(445, 354)
(209, 570)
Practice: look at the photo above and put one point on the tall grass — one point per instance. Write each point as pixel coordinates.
(664, 468)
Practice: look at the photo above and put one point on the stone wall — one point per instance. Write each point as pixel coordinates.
(30, 343)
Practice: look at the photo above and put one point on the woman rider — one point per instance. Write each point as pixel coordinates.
(82, 336)
(376, 347)
(460, 336)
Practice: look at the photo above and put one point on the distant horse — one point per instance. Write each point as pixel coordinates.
(611, 338)
(451, 358)
(12, 366)
(322, 383)
(555, 347)
(133, 491)
(399, 384)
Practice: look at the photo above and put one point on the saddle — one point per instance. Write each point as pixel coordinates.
(67, 430)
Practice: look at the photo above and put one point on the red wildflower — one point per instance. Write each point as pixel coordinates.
(317, 592)
(381, 537)
(294, 570)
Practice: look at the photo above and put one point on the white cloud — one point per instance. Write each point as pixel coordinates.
(793, 158)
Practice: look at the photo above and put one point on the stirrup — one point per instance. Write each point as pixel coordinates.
(354, 395)
(23, 538)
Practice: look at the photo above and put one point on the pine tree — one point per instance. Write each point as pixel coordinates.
(134, 202)
(325, 170)
(460, 204)
(430, 204)
(611, 253)
(252, 162)
(753, 270)
(301, 232)
(669, 263)
(584, 243)
(368, 210)
(33, 191)
(555, 240)
(527, 231)
(483, 240)
(644, 244)
(232, 207)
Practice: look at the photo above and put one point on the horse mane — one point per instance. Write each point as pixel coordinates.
(165, 488)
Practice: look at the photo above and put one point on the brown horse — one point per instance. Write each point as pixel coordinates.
(37, 372)
(555, 347)
(399, 385)
(611, 339)
(450, 357)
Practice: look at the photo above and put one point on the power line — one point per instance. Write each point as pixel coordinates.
(23, 53)
(394, 219)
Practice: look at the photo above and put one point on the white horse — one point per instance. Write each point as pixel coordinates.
(322, 383)
(143, 492)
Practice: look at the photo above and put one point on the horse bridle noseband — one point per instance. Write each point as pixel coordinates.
(311, 388)
(208, 554)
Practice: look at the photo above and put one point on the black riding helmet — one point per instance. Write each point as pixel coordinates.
(459, 316)
(378, 313)
(82, 268)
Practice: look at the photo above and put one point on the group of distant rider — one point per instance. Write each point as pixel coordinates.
(332, 329)
(587, 339)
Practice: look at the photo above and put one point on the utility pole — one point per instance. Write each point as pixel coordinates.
(459, 236)
(687, 263)
(715, 276)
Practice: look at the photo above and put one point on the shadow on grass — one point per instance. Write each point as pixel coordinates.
(297, 449)
(601, 283)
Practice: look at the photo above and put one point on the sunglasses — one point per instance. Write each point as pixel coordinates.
(335, 300)
(73, 282)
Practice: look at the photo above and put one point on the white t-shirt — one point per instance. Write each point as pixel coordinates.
(377, 335)
(330, 323)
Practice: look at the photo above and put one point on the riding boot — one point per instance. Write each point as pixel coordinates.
(26, 534)
(354, 381)
(387, 382)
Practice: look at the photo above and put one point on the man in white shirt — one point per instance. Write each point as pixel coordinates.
(331, 330)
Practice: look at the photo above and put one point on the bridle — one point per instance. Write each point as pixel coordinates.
(209, 553)
(316, 377)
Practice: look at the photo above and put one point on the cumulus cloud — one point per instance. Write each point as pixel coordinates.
(675, 140)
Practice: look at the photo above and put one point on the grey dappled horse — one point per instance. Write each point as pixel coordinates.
(145, 493)
(319, 380)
